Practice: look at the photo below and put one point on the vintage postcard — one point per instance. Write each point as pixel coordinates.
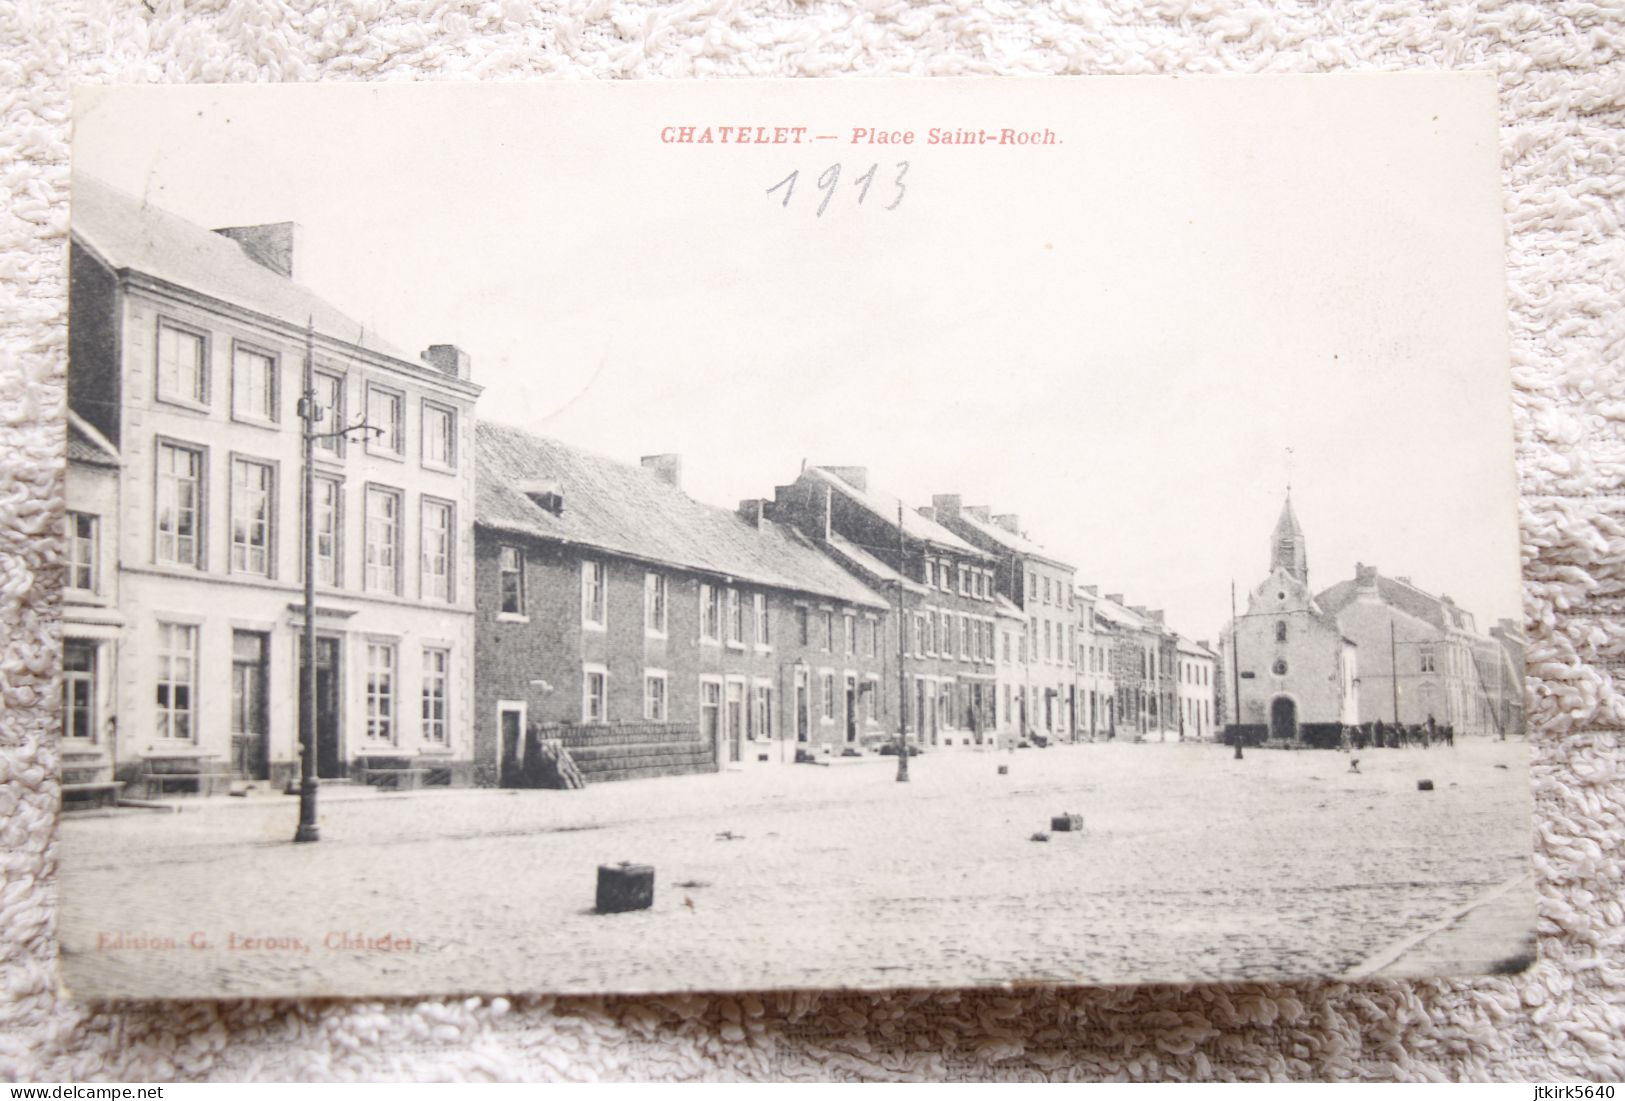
(756, 535)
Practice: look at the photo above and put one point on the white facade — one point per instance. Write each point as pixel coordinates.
(1194, 676)
(209, 539)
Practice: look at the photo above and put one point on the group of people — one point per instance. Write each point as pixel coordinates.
(1381, 735)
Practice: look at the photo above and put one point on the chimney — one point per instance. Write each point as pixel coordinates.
(855, 476)
(1138, 609)
(1155, 615)
(927, 511)
(270, 245)
(1115, 598)
(1365, 577)
(1202, 643)
(1092, 590)
(946, 505)
(448, 359)
(668, 468)
(1010, 522)
(1404, 581)
(753, 510)
(980, 512)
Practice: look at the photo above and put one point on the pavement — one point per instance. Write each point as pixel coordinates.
(1192, 867)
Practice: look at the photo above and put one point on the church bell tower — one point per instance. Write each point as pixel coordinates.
(1287, 549)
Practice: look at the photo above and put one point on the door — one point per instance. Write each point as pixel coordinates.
(851, 709)
(1283, 718)
(249, 758)
(329, 739)
(510, 746)
(735, 719)
(711, 718)
(803, 706)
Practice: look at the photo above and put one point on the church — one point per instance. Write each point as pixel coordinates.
(1289, 669)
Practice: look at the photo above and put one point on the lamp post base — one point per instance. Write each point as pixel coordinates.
(306, 833)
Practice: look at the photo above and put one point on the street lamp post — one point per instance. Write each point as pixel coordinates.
(310, 416)
(902, 655)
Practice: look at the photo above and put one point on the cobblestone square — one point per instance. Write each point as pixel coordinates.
(1192, 866)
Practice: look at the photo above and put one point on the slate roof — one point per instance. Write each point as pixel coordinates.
(130, 233)
(88, 446)
(842, 547)
(1407, 598)
(629, 511)
(1011, 541)
(884, 506)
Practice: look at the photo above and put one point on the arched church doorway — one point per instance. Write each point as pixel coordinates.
(1284, 718)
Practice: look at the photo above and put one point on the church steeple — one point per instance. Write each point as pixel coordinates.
(1287, 549)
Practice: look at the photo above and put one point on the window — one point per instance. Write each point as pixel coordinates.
(1032, 586)
(964, 637)
(829, 630)
(253, 385)
(179, 506)
(82, 551)
(183, 372)
(1280, 630)
(764, 624)
(1426, 656)
(710, 613)
(511, 580)
(381, 692)
(944, 577)
(654, 604)
(250, 517)
(593, 695)
(384, 413)
(325, 515)
(736, 619)
(654, 696)
(829, 696)
(593, 584)
(330, 407)
(439, 436)
(436, 536)
(803, 625)
(436, 666)
(1047, 599)
(1071, 645)
(850, 632)
(945, 635)
(383, 573)
(964, 581)
(177, 676)
(930, 573)
(930, 624)
(1047, 654)
(874, 637)
(711, 711)
(761, 725)
(1007, 647)
(871, 693)
(79, 689)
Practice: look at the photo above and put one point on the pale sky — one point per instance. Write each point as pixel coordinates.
(1117, 336)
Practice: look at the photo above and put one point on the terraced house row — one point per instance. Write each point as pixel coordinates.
(492, 606)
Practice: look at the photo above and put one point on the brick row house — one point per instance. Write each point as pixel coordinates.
(1041, 586)
(185, 501)
(951, 611)
(609, 598)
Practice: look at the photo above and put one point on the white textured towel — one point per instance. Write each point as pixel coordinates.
(1561, 70)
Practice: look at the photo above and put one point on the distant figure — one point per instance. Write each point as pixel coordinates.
(1381, 736)
(1354, 764)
